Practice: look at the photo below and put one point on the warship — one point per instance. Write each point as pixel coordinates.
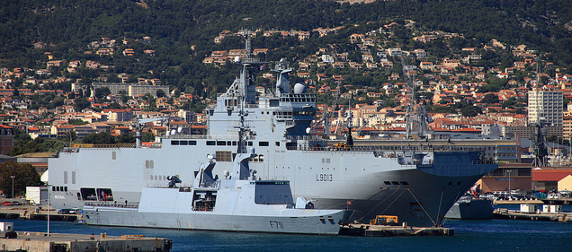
(414, 181)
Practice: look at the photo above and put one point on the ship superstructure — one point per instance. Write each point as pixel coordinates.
(413, 181)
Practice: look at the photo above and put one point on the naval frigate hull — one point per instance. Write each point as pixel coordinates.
(322, 225)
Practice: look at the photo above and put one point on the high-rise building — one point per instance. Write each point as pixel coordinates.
(545, 105)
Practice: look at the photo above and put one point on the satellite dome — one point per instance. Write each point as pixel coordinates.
(299, 88)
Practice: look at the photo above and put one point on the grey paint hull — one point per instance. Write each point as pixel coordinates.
(216, 222)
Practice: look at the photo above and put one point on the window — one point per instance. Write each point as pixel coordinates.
(263, 143)
(174, 142)
(277, 143)
(223, 156)
(211, 143)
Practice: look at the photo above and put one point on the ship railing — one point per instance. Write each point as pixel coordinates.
(484, 161)
(77, 146)
(203, 208)
(113, 204)
(187, 136)
(369, 148)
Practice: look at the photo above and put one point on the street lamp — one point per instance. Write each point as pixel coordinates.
(48, 208)
(509, 171)
(12, 185)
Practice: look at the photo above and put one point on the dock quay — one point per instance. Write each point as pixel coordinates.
(32, 241)
(517, 202)
(387, 231)
(503, 213)
(32, 214)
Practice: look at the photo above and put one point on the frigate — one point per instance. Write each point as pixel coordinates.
(236, 202)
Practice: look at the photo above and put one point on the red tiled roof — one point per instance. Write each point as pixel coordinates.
(550, 175)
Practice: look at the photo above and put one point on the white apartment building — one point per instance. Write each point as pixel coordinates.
(546, 105)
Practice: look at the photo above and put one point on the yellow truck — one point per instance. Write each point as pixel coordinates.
(390, 220)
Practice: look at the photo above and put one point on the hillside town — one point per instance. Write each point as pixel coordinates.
(365, 76)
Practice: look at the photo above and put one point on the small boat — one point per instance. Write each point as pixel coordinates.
(238, 202)
(468, 207)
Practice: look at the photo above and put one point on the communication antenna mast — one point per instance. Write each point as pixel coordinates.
(411, 107)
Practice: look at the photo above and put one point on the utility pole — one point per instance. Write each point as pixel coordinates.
(12, 185)
(509, 171)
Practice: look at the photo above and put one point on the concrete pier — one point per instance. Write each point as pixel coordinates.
(33, 213)
(33, 241)
(503, 213)
(384, 231)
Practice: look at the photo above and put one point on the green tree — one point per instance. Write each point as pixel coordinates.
(16, 93)
(123, 96)
(470, 111)
(148, 137)
(25, 144)
(101, 93)
(125, 138)
(70, 136)
(99, 138)
(77, 122)
(24, 175)
(490, 99)
(81, 103)
(160, 93)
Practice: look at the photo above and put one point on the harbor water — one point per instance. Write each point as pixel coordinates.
(470, 235)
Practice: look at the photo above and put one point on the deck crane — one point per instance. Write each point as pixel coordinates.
(139, 124)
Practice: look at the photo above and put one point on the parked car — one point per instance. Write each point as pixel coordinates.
(64, 211)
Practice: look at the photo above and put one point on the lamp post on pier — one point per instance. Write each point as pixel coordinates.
(509, 171)
(12, 185)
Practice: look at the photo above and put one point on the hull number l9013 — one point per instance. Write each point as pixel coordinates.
(324, 177)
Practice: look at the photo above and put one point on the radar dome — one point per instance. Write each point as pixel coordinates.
(299, 88)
